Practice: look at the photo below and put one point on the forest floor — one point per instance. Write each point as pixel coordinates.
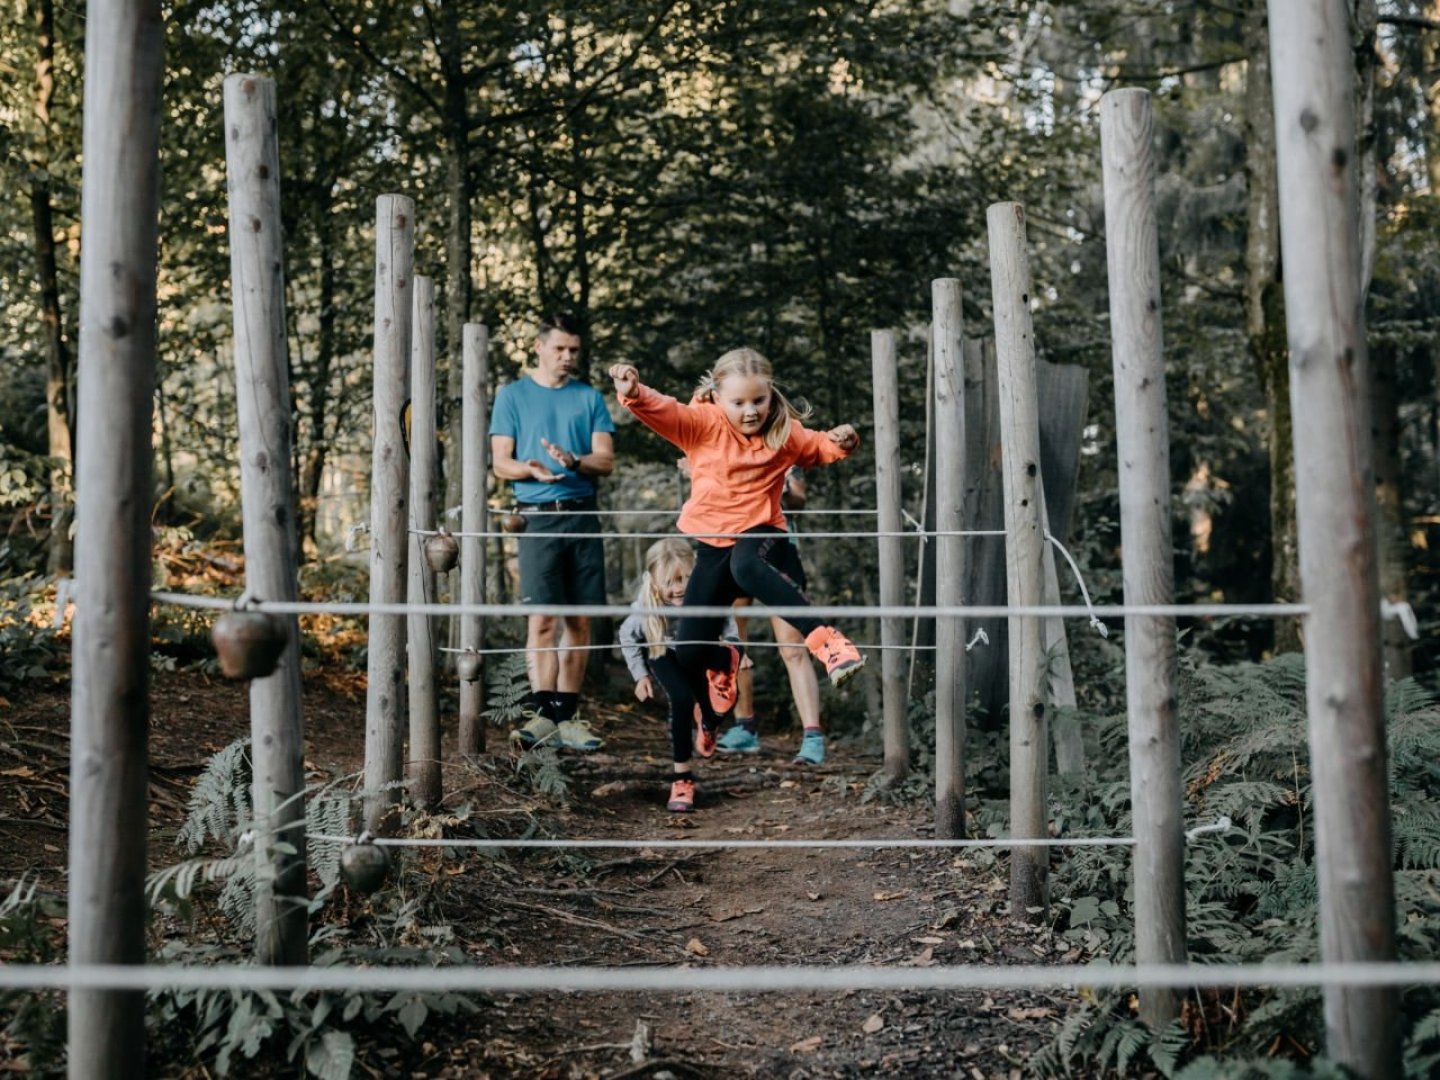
(690, 909)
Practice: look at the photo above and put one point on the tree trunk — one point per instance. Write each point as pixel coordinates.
(57, 350)
(459, 285)
(1265, 318)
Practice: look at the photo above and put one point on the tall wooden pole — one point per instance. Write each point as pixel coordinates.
(475, 420)
(885, 375)
(1334, 489)
(385, 666)
(1024, 557)
(949, 334)
(110, 659)
(423, 766)
(1142, 433)
(262, 400)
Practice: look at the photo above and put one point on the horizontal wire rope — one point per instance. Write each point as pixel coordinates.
(752, 644)
(673, 535)
(691, 979)
(875, 611)
(666, 510)
(1223, 825)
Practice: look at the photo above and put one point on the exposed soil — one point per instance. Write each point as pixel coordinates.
(623, 908)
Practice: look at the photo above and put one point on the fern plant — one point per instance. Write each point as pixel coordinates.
(1251, 893)
(315, 1031)
(507, 689)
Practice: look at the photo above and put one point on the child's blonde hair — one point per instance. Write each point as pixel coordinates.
(662, 559)
(749, 362)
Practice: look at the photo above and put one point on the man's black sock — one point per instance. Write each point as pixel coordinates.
(565, 705)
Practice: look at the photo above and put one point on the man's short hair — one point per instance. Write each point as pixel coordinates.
(565, 321)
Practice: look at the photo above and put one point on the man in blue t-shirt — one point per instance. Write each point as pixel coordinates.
(552, 436)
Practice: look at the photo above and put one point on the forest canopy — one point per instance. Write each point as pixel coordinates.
(690, 177)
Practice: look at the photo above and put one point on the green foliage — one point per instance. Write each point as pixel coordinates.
(34, 1019)
(27, 642)
(316, 1030)
(1251, 892)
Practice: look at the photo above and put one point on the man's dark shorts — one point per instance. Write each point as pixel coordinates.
(555, 566)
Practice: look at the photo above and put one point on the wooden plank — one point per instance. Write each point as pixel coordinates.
(1330, 388)
(1024, 563)
(423, 764)
(988, 662)
(268, 511)
(389, 498)
(1142, 432)
(110, 655)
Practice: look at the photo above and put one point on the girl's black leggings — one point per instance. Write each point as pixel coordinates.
(721, 576)
(680, 700)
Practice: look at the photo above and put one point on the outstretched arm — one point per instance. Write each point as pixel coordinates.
(627, 378)
(683, 425)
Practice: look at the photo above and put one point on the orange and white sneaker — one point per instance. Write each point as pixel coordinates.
(704, 736)
(724, 689)
(838, 653)
(682, 796)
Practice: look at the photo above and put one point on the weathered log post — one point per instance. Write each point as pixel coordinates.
(385, 666)
(885, 375)
(1024, 557)
(475, 421)
(1330, 388)
(423, 768)
(949, 330)
(1142, 434)
(262, 401)
(110, 657)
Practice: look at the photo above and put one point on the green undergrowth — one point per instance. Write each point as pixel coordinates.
(1251, 893)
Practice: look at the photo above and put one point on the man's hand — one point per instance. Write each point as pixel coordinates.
(564, 458)
(644, 689)
(626, 377)
(538, 471)
(844, 437)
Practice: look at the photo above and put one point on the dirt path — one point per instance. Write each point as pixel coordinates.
(692, 909)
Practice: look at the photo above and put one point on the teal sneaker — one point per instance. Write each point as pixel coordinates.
(739, 740)
(812, 749)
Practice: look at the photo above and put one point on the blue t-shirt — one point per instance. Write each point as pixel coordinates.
(566, 415)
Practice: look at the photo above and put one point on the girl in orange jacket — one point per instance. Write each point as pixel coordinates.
(742, 436)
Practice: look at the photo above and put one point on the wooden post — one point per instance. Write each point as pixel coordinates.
(110, 657)
(423, 769)
(1024, 557)
(267, 500)
(1330, 391)
(1142, 432)
(475, 421)
(385, 666)
(948, 320)
(886, 390)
